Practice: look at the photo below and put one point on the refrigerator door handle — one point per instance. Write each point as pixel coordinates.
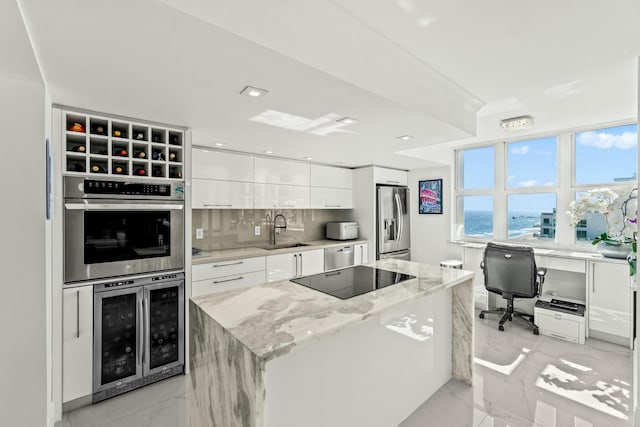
(399, 223)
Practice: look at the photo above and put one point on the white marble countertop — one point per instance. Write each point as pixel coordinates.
(273, 318)
(557, 253)
(205, 257)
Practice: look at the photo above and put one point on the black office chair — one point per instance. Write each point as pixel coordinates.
(510, 271)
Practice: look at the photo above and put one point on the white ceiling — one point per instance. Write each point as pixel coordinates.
(444, 71)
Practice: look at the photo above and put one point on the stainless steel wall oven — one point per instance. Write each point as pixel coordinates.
(138, 333)
(121, 227)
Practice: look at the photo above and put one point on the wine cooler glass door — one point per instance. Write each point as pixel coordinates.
(164, 315)
(118, 347)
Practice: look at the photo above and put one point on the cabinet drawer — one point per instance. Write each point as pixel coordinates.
(561, 326)
(221, 284)
(553, 263)
(227, 268)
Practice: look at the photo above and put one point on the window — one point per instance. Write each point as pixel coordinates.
(532, 163)
(477, 168)
(477, 215)
(531, 216)
(606, 156)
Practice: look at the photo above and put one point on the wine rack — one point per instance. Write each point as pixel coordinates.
(101, 145)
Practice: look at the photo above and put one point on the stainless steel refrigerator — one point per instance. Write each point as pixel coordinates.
(392, 221)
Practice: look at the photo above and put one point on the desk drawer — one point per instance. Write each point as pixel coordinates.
(227, 268)
(221, 284)
(560, 325)
(565, 264)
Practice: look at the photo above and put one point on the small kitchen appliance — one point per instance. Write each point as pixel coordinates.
(342, 230)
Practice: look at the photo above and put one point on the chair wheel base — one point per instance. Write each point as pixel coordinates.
(500, 327)
(482, 315)
(536, 331)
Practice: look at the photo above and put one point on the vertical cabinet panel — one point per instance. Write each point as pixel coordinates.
(77, 342)
(281, 267)
(311, 262)
(609, 299)
(361, 255)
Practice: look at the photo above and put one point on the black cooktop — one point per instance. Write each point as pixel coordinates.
(352, 281)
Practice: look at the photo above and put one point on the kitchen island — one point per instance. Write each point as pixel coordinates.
(281, 354)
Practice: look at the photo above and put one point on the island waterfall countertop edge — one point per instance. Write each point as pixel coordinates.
(272, 318)
(218, 255)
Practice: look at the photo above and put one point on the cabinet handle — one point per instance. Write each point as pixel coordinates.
(231, 263)
(327, 205)
(78, 314)
(295, 261)
(557, 336)
(301, 264)
(361, 255)
(593, 278)
(228, 280)
(217, 204)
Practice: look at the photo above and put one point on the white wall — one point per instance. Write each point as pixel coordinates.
(23, 389)
(430, 233)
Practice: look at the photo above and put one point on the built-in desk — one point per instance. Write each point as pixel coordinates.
(602, 284)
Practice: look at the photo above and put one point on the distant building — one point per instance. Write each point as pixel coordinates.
(548, 224)
(591, 226)
(625, 179)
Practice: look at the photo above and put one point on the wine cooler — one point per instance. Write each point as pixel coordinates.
(138, 333)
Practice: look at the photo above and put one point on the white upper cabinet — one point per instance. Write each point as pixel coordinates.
(209, 164)
(275, 171)
(215, 194)
(331, 177)
(268, 196)
(390, 176)
(330, 198)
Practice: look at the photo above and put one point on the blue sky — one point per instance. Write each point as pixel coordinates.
(601, 156)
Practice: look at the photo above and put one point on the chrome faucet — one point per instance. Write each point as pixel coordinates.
(276, 227)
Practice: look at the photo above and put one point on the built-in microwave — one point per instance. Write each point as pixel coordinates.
(121, 227)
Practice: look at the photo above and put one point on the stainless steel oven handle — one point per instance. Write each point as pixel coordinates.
(121, 207)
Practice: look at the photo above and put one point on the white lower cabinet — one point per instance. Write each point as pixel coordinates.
(225, 275)
(610, 299)
(471, 259)
(361, 254)
(77, 343)
(281, 196)
(331, 198)
(290, 265)
(213, 194)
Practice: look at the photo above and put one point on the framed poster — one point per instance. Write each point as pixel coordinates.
(430, 196)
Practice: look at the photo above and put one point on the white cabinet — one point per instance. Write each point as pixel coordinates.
(287, 266)
(209, 164)
(610, 299)
(275, 171)
(390, 176)
(471, 259)
(331, 177)
(225, 275)
(268, 196)
(361, 255)
(330, 198)
(210, 194)
(77, 342)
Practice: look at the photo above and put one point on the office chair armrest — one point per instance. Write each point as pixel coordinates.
(482, 265)
(542, 271)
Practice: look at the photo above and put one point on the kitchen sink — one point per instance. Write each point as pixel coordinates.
(282, 246)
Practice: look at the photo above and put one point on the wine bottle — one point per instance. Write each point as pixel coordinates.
(76, 167)
(157, 155)
(141, 154)
(120, 152)
(140, 171)
(175, 139)
(95, 168)
(157, 171)
(79, 149)
(118, 169)
(172, 156)
(175, 174)
(76, 127)
(140, 136)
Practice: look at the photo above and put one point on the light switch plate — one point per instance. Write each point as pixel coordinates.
(199, 233)
(257, 230)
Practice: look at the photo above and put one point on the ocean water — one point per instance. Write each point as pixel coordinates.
(520, 223)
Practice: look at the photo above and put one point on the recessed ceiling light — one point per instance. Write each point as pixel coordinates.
(347, 120)
(268, 151)
(405, 137)
(218, 144)
(253, 92)
(308, 158)
(515, 123)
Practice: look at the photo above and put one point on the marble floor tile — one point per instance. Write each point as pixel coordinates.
(520, 380)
